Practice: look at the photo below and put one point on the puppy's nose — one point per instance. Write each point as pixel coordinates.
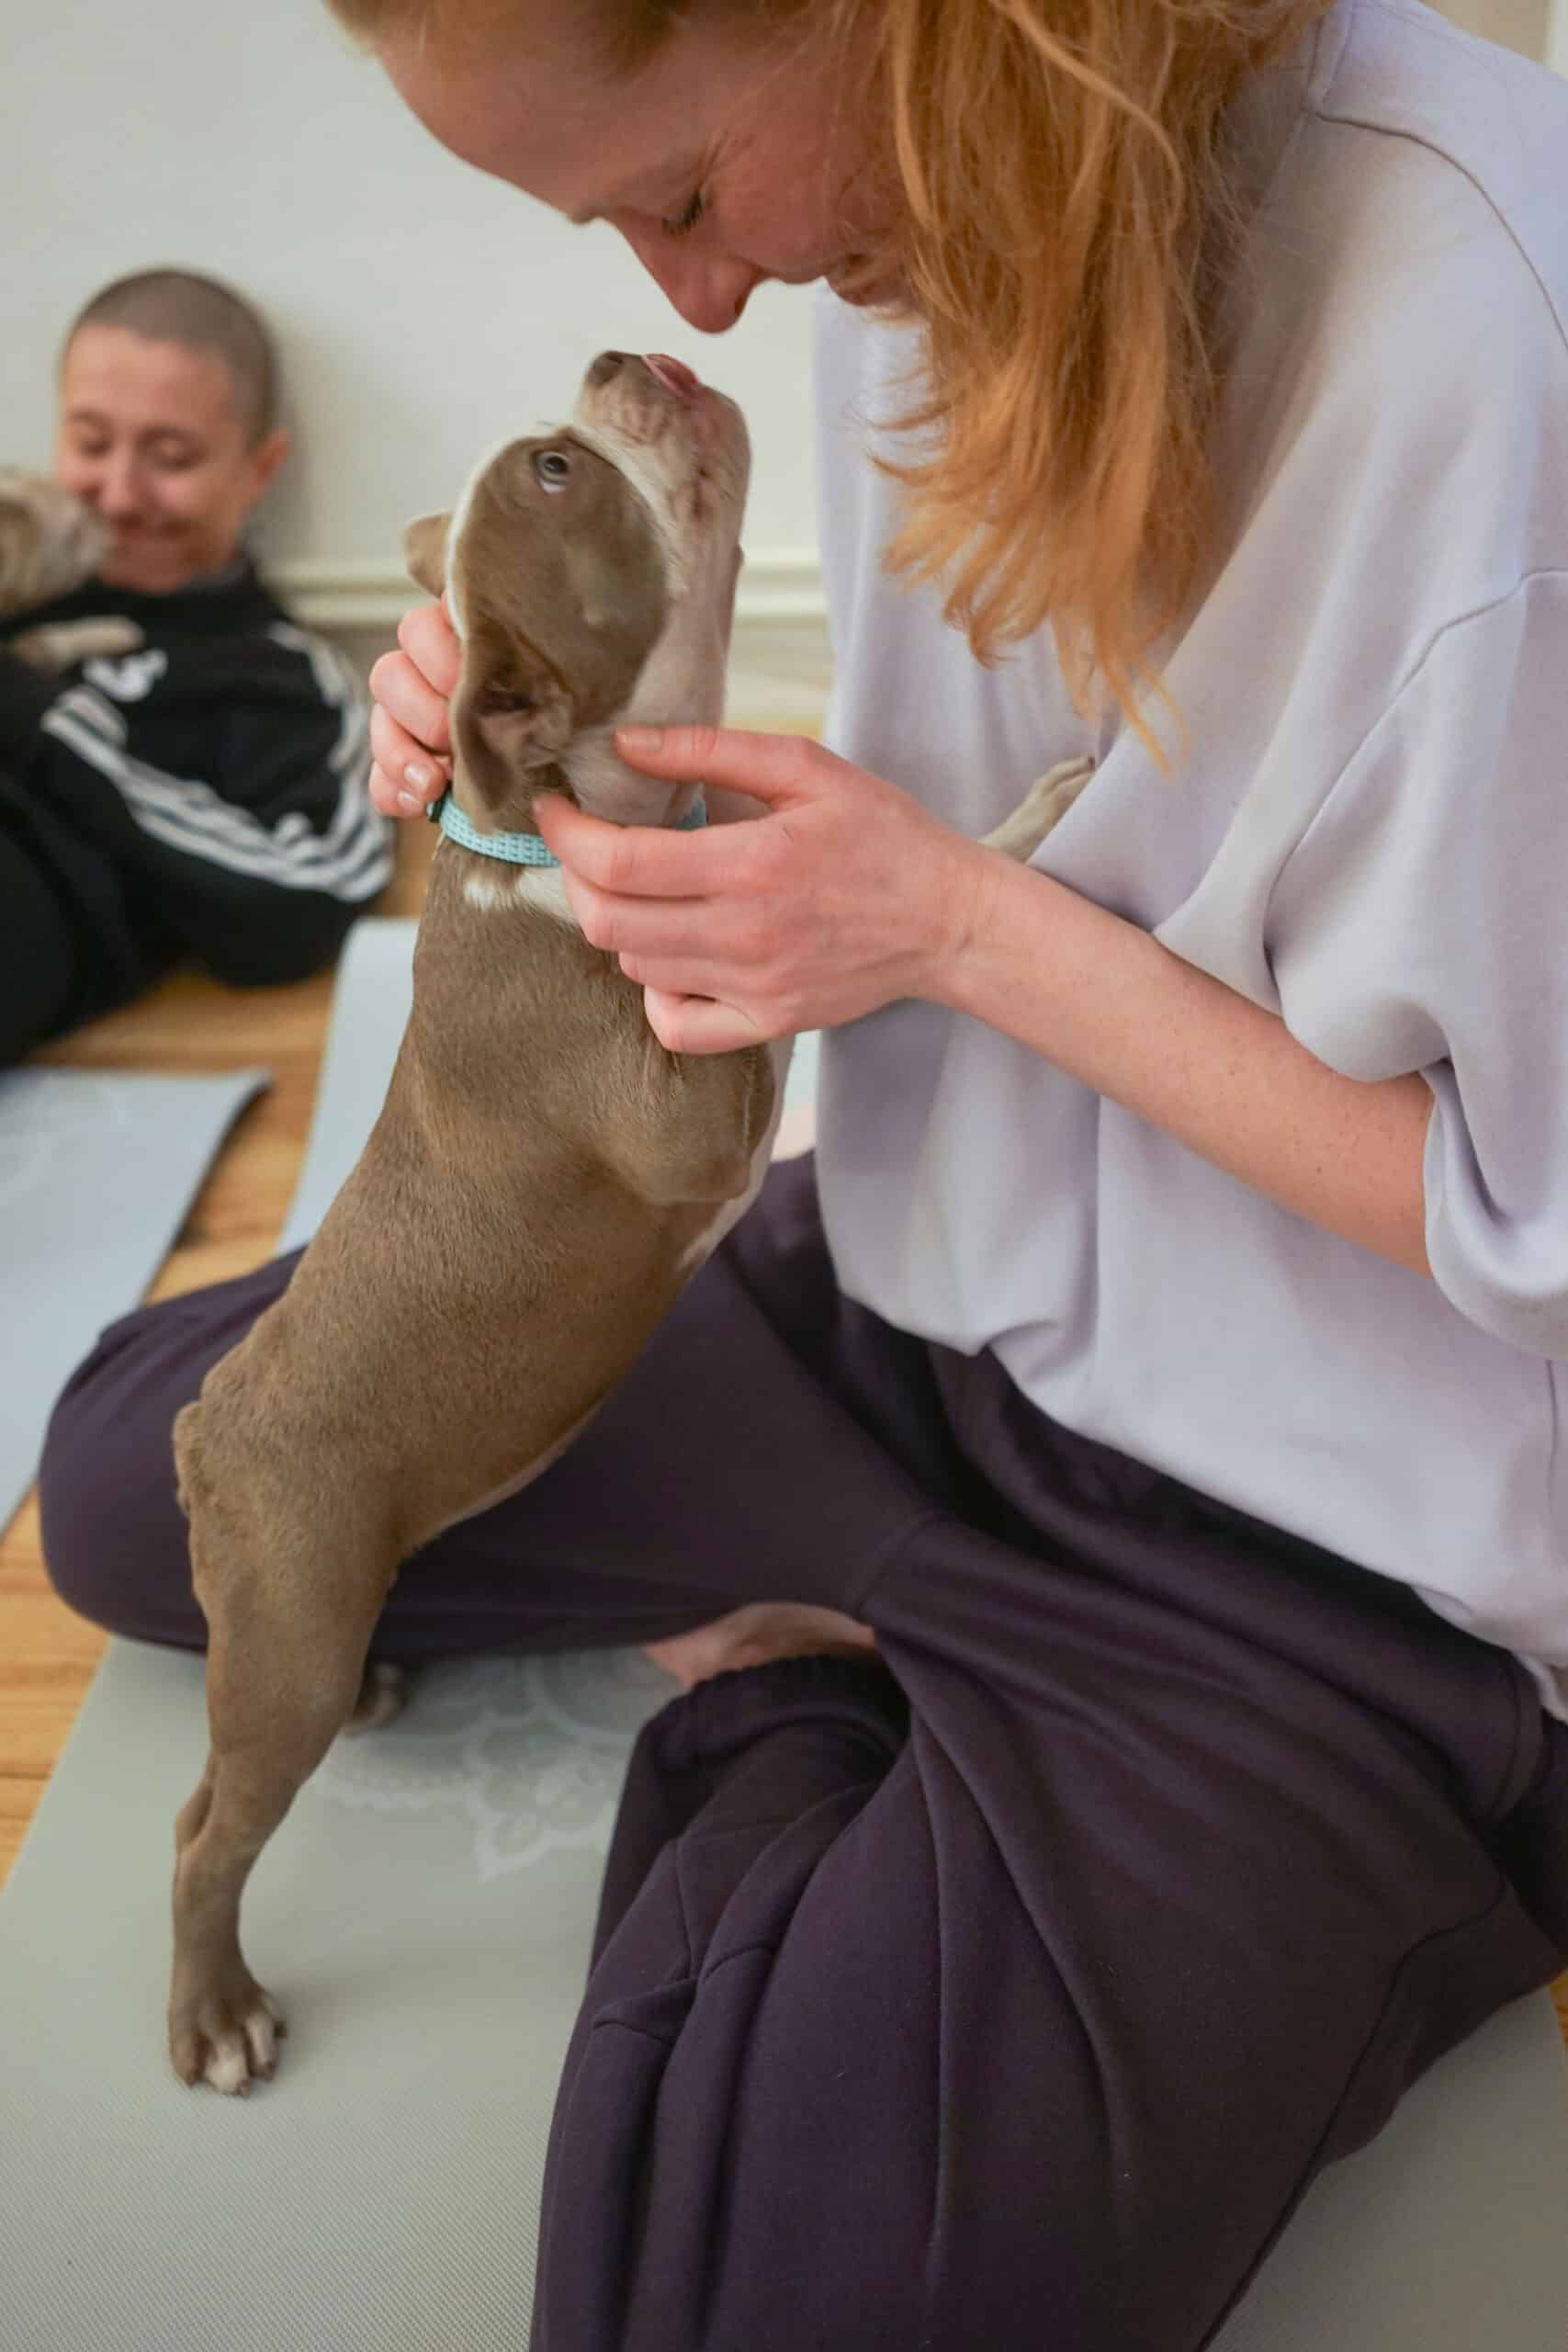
(608, 364)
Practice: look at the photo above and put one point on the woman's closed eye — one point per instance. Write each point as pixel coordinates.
(683, 223)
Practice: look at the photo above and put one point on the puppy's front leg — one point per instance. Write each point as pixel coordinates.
(697, 1135)
(290, 1607)
(1043, 805)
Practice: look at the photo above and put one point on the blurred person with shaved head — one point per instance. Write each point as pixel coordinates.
(202, 796)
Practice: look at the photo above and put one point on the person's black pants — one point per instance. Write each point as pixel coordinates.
(38, 953)
(1003, 1995)
(69, 948)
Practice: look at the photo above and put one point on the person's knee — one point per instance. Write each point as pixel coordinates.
(113, 1534)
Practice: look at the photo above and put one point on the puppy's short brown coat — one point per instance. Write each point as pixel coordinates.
(543, 1178)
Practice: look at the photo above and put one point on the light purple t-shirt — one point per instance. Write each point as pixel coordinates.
(1368, 835)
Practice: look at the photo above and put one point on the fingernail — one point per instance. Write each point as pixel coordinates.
(411, 801)
(640, 739)
(420, 777)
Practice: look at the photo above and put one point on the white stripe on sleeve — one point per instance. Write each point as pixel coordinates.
(351, 858)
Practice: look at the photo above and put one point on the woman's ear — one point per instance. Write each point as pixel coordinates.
(424, 552)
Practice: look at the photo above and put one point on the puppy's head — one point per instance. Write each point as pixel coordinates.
(684, 446)
(50, 542)
(552, 571)
(573, 563)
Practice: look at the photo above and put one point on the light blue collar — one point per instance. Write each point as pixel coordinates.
(524, 849)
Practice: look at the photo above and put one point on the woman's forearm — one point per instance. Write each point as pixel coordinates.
(1106, 1002)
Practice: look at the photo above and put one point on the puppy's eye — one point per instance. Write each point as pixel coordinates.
(552, 470)
(498, 704)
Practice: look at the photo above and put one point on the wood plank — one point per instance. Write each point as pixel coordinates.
(47, 1655)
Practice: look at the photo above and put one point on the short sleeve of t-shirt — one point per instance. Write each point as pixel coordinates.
(1422, 924)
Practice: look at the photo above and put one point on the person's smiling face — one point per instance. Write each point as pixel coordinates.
(722, 162)
(150, 436)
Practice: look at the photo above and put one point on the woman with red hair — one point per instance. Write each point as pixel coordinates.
(1133, 1445)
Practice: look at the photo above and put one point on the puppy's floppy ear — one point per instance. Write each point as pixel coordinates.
(424, 552)
(512, 718)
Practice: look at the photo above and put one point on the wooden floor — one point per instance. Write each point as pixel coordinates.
(47, 1655)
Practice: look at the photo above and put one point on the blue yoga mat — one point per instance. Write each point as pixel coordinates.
(98, 1169)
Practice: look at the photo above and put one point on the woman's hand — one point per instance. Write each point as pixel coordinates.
(409, 730)
(844, 896)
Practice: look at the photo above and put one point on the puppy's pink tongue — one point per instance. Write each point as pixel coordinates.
(671, 373)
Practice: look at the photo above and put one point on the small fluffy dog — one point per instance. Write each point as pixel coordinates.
(50, 543)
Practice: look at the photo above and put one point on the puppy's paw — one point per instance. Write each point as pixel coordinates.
(59, 645)
(113, 635)
(1044, 805)
(225, 2031)
(383, 1695)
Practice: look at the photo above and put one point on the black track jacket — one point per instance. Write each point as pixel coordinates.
(204, 797)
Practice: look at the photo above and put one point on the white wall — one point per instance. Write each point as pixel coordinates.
(1517, 23)
(1557, 35)
(422, 311)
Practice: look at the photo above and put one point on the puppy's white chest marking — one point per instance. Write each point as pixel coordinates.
(496, 889)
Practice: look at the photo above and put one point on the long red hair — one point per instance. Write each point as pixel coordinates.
(1069, 218)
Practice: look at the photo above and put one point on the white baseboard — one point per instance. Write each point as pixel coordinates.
(1557, 35)
(780, 586)
(780, 662)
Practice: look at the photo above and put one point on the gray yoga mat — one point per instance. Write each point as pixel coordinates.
(97, 1169)
(370, 1006)
(424, 1914)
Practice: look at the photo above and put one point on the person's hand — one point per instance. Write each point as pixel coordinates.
(409, 729)
(844, 896)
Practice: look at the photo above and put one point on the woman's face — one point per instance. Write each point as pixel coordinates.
(722, 163)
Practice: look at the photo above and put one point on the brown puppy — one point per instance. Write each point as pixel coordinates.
(50, 543)
(543, 1178)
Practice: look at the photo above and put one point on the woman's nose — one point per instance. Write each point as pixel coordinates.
(710, 290)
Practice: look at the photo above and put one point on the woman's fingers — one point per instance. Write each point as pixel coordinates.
(410, 700)
(428, 638)
(696, 1025)
(407, 775)
(659, 929)
(770, 768)
(410, 731)
(643, 860)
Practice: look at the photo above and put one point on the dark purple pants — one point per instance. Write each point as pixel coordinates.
(1004, 1995)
